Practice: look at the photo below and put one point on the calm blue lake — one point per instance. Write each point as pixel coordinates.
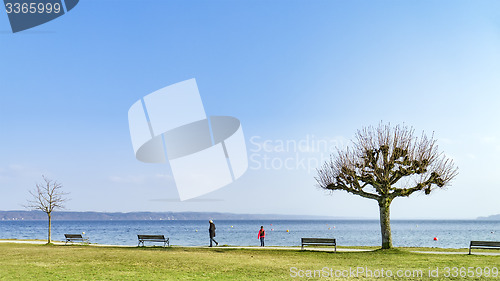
(418, 233)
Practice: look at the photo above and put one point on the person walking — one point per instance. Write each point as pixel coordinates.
(262, 235)
(211, 233)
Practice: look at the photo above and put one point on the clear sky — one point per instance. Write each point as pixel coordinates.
(307, 72)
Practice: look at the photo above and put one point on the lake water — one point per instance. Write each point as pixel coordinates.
(418, 233)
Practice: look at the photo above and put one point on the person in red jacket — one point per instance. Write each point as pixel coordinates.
(261, 236)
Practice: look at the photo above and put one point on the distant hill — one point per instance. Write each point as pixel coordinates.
(102, 216)
(492, 217)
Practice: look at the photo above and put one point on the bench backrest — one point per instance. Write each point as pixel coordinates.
(73, 236)
(319, 240)
(485, 243)
(150, 237)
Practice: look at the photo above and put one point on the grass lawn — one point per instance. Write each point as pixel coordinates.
(44, 262)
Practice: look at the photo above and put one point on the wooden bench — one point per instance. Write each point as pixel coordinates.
(484, 245)
(76, 238)
(319, 242)
(153, 238)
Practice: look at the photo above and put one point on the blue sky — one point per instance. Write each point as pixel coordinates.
(288, 70)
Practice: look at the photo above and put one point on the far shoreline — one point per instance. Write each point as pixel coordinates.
(133, 216)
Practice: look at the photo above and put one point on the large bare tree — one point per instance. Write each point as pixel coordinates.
(384, 163)
(47, 197)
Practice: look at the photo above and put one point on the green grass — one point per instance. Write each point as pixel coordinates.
(43, 262)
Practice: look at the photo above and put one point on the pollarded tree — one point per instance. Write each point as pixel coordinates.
(47, 197)
(384, 163)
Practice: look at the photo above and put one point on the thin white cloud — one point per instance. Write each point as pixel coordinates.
(446, 140)
(139, 179)
(13, 171)
(16, 167)
(127, 179)
(164, 176)
(471, 155)
(488, 140)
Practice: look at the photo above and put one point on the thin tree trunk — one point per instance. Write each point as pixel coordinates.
(50, 228)
(385, 223)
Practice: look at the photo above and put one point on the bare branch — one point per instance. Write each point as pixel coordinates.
(47, 196)
(380, 157)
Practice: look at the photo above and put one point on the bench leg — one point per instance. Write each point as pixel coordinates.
(302, 248)
(335, 248)
(469, 250)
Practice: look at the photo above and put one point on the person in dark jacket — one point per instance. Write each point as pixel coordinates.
(211, 233)
(261, 236)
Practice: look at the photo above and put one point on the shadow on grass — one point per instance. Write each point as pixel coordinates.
(392, 251)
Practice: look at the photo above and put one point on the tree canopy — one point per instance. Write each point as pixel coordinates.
(384, 163)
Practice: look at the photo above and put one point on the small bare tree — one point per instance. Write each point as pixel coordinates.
(385, 163)
(47, 197)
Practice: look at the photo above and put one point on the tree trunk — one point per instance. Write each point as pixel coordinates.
(385, 223)
(50, 228)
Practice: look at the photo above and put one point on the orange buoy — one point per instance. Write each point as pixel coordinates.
(287, 230)
(435, 239)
